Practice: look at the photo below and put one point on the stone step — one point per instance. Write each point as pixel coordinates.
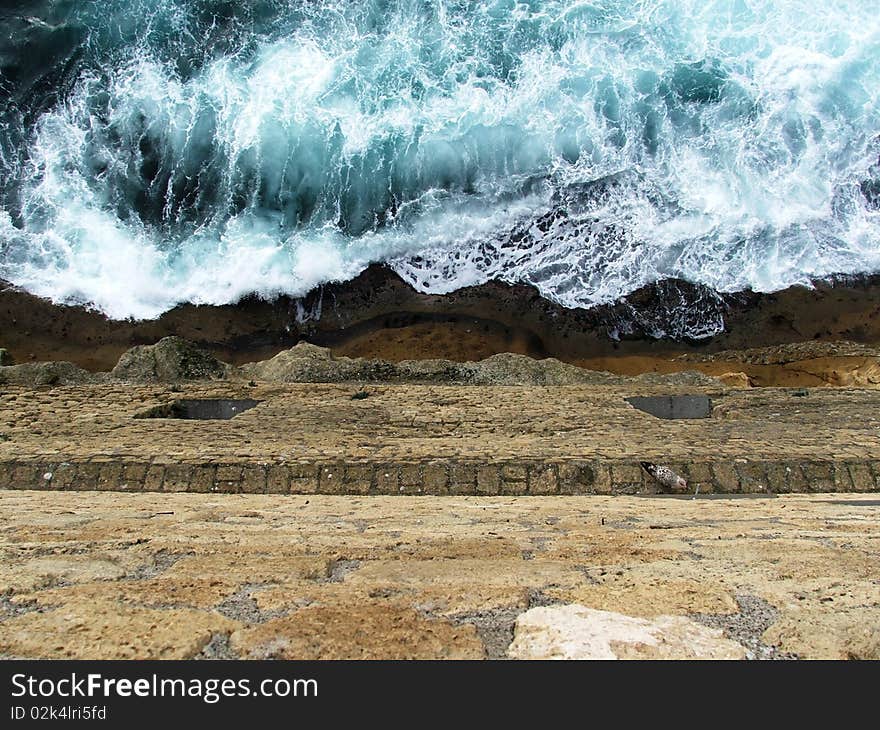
(440, 477)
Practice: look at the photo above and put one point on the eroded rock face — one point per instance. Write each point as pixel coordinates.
(787, 353)
(736, 380)
(847, 372)
(307, 363)
(169, 360)
(38, 374)
(850, 633)
(576, 632)
(5, 357)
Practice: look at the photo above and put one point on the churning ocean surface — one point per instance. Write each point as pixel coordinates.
(154, 152)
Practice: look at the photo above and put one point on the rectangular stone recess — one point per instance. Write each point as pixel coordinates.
(209, 409)
(672, 407)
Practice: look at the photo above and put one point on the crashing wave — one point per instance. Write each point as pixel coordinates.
(153, 153)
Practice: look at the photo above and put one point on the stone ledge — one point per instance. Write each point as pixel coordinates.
(440, 477)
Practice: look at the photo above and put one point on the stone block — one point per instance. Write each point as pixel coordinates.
(228, 478)
(177, 478)
(435, 478)
(154, 477)
(64, 476)
(819, 476)
(203, 478)
(253, 479)
(543, 479)
(277, 480)
(87, 476)
(488, 480)
(726, 479)
(577, 477)
(411, 477)
(133, 476)
(462, 478)
(358, 478)
(753, 477)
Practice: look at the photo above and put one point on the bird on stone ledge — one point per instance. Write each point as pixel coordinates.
(664, 476)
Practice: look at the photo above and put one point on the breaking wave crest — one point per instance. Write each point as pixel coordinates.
(158, 152)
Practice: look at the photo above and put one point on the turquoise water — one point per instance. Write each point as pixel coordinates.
(163, 152)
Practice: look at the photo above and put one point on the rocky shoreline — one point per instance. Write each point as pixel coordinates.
(174, 360)
(378, 316)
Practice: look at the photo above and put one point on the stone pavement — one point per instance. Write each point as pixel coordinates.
(109, 575)
(435, 439)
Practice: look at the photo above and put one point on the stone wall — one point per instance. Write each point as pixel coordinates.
(439, 477)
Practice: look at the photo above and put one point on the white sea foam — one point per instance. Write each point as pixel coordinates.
(586, 148)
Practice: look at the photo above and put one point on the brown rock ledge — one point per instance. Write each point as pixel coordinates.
(377, 315)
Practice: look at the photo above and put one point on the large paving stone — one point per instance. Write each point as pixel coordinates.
(362, 631)
(86, 629)
(576, 632)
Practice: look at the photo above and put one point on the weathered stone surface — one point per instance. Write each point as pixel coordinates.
(50, 570)
(171, 359)
(40, 374)
(360, 631)
(646, 596)
(735, 380)
(436, 440)
(307, 363)
(852, 633)
(109, 630)
(455, 563)
(577, 632)
(794, 352)
(543, 479)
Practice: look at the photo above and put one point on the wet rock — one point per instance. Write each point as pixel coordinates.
(169, 360)
(788, 353)
(849, 372)
(578, 632)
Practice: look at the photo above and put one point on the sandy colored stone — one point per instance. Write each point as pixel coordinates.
(257, 567)
(169, 360)
(846, 372)
(304, 426)
(576, 632)
(50, 570)
(438, 600)
(787, 558)
(735, 380)
(848, 634)
(361, 631)
(260, 557)
(463, 572)
(653, 596)
(154, 592)
(609, 547)
(460, 547)
(86, 629)
(832, 592)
